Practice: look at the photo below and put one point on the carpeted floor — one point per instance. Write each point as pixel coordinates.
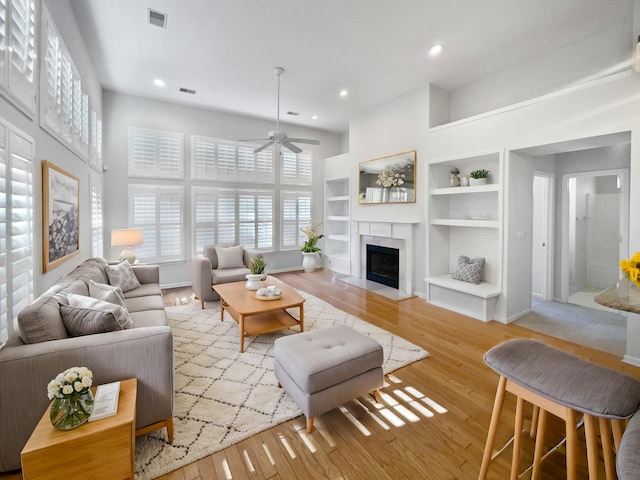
(224, 396)
(595, 328)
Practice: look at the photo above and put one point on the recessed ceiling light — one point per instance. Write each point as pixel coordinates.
(435, 49)
(158, 82)
(314, 117)
(344, 93)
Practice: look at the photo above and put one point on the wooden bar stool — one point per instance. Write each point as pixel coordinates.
(568, 387)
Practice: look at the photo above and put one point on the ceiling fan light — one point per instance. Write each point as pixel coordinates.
(158, 82)
(344, 93)
(435, 49)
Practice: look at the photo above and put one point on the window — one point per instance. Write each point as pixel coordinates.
(64, 104)
(95, 156)
(16, 225)
(215, 159)
(296, 213)
(296, 168)
(233, 216)
(158, 211)
(155, 154)
(18, 51)
(97, 249)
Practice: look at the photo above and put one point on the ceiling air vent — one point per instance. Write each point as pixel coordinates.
(295, 114)
(158, 19)
(187, 90)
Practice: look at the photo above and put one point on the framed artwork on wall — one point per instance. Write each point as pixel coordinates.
(60, 214)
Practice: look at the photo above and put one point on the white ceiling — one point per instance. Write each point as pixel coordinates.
(376, 49)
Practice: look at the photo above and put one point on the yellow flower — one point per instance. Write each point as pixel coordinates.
(632, 268)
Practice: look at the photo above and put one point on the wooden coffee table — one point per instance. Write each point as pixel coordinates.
(254, 316)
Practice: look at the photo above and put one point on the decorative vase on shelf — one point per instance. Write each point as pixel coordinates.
(308, 261)
(454, 179)
(254, 281)
(385, 195)
(71, 411)
(477, 181)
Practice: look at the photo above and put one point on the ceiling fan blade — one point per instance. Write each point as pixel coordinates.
(292, 147)
(255, 140)
(259, 149)
(304, 140)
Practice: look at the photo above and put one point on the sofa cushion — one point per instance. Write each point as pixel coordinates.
(90, 269)
(230, 257)
(144, 290)
(106, 293)
(149, 318)
(229, 275)
(88, 316)
(142, 304)
(121, 275)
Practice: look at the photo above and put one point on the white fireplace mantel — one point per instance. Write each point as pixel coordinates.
(387, 234)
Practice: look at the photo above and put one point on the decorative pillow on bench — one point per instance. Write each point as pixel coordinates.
(469, 270)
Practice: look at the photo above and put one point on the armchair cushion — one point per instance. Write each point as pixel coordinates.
(230, 257)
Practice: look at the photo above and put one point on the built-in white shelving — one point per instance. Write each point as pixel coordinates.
(336, 242)
(465, 221)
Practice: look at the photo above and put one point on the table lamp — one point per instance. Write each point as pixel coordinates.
(127, 238)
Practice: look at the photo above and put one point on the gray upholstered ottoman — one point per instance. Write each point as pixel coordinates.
(322, 369)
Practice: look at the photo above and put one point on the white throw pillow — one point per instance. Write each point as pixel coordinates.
(121, 275)
(230, 257)
(106, 293)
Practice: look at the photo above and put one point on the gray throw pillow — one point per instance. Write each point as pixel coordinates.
(87, 316)
(230, 257)
(121, 275)
(106, 293)
(469, 270)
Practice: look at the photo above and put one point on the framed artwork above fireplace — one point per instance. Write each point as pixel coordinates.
(390, 179)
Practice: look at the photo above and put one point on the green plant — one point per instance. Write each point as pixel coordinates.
(257, 265)
(480, 173)
(313, 235)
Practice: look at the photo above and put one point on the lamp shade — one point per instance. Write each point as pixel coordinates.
(126, 238)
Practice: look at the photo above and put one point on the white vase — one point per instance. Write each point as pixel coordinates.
(254, 281)
(477, 181)
(309, 261)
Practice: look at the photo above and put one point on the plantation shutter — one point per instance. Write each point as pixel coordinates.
(158, 212)
(203, 154)
(226, 216)
(203, 201)
(296, 213)
(16, 221)
(155, 154)
(97, 248)
(22, 51)
(95, 157)
(296, 168)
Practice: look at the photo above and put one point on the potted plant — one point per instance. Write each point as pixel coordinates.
(309, 248)
(478, 177)
(255, 278)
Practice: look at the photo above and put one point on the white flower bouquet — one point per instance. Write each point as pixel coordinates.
(393, 176)
(73, 381)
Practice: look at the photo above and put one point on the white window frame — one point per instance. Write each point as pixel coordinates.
(154, 225)
(64, 103)
(228, 160)
(97, 232)
(17, 153)
(296, 168)
(18, 65)
(300, 206)
(156, 154)
(203, 220)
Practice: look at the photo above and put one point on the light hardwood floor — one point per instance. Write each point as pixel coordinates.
(441, 437)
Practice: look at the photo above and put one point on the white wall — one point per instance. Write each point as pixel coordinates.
(124, 111)
(49, 148)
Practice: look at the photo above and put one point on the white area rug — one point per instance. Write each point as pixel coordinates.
(224, 396)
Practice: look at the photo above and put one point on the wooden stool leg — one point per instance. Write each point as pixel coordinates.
(493, 428)
(607, 449)
(618, 430)
(309, 425)
(534, 421)
(517, 438)
(537, 454)
(591, 438)
(571, 420)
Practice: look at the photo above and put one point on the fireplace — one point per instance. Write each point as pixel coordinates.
(383, 265)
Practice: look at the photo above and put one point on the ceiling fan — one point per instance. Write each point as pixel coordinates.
(277, 136)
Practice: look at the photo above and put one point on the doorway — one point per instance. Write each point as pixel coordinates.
(594, 231)
(542, 236)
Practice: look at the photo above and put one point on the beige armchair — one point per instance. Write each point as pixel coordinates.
(219, 264)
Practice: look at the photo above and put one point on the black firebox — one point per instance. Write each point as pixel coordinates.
(383, 265)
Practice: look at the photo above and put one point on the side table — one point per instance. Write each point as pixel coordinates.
(102, 449)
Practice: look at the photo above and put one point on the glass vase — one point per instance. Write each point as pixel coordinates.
(72, 411)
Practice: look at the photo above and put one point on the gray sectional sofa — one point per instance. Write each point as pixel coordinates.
(44, 348)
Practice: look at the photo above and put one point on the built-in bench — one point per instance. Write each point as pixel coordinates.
(475, 300)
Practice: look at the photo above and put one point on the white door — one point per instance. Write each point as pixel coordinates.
(542, 236)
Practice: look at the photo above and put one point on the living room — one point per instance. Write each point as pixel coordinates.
(597, 110)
